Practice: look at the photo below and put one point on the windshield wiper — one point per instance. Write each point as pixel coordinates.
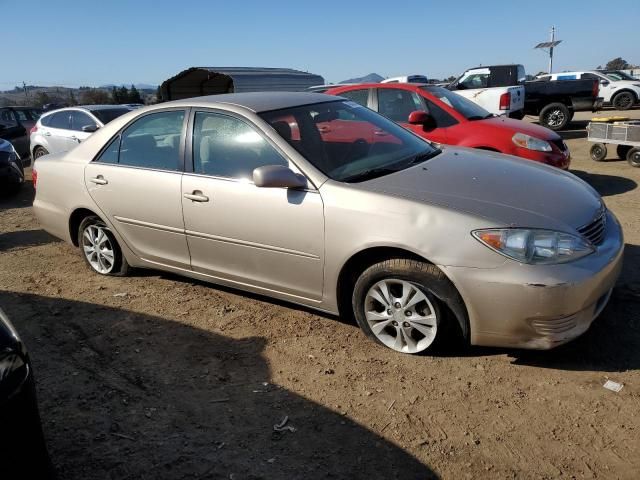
(370, 174)
(423, 157)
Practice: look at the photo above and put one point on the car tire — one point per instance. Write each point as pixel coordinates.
(398, 303)
(622, 151)
(623, 100)
(100, 248)
(39, 152)
(555, 116)
(633, 157)
(598, 152)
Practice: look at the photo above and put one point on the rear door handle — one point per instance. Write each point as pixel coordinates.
(196, 196)
(75, 139)
(99, 180)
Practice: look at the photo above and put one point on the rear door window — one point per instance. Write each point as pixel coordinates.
(360, 96)
(153, 141)
(59, 120)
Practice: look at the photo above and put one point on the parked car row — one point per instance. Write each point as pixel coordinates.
(319, 201)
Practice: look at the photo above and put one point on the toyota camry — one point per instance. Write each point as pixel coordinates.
(319, 201)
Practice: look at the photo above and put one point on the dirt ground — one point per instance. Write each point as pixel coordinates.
(155, 376)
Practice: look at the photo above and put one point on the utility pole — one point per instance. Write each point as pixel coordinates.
(550, 46)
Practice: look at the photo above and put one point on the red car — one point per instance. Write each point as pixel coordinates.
(442, 116)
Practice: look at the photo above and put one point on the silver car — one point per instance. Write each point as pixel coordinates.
(321, 202)
(61, 130)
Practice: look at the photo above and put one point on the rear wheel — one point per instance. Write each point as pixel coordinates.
(598, 152)
(397, 303)
(622, 151)
(623, 101)
(633, 157)
(555, 116)
(100, 248)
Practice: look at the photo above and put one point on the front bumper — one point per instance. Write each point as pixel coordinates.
(539, 306)
(556, 158)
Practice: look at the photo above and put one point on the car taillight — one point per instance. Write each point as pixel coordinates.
(34, 129)
(596, 88)
(505, 101)
(34, 177)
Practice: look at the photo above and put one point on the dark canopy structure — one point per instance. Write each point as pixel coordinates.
(198, 81)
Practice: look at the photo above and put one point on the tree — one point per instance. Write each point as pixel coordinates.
(115, 96)
(123, 95)
(134, 95)
(42, 99)
(617, 64)
(71, 100)
(95, 96)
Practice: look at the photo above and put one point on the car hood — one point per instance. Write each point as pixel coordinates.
(501, 188)
(520, 126)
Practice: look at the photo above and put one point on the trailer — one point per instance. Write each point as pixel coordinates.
(625, 134)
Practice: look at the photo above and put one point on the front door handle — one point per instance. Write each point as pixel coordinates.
(196, 196)
(99, 180)
(47, 134)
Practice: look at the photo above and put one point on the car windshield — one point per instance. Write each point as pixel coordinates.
(109, 114)
(615, 76)
(349, 142)
(468, 109)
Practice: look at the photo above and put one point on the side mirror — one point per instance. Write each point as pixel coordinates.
(90, 128)
(277, 176)
(420, 117)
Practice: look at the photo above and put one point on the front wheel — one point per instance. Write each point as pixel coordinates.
(555, 116)
(633, 157)
(39, 152)
(100, 248)
(397, 303)
(598, 152)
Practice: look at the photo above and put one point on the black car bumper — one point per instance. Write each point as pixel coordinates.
(23, 452)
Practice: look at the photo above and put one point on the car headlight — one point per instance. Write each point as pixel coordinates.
(531, 143)
(535, 246)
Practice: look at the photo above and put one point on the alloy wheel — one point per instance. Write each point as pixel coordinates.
(555, 118)
(97, 248)
(401, 316)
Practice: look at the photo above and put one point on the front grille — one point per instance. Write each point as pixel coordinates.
(594, 231)
(560, 144)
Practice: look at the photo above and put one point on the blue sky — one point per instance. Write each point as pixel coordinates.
(69, 42)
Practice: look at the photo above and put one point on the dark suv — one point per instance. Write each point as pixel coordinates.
(15, 123)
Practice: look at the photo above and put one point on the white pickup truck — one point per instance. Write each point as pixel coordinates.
(480, 86)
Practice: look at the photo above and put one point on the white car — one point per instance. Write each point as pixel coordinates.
(406, 79)
(61, 130)
(485, 86)
(621, 94)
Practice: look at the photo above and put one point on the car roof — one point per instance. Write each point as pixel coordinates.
(255, 101)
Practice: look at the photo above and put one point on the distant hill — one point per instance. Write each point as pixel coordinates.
(371, 78)
(139, 86)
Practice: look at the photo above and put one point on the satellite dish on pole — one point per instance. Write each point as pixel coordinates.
(548, 46)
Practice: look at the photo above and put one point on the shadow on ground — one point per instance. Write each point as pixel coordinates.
(607, 185)
(132, 396)
(612, 344)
